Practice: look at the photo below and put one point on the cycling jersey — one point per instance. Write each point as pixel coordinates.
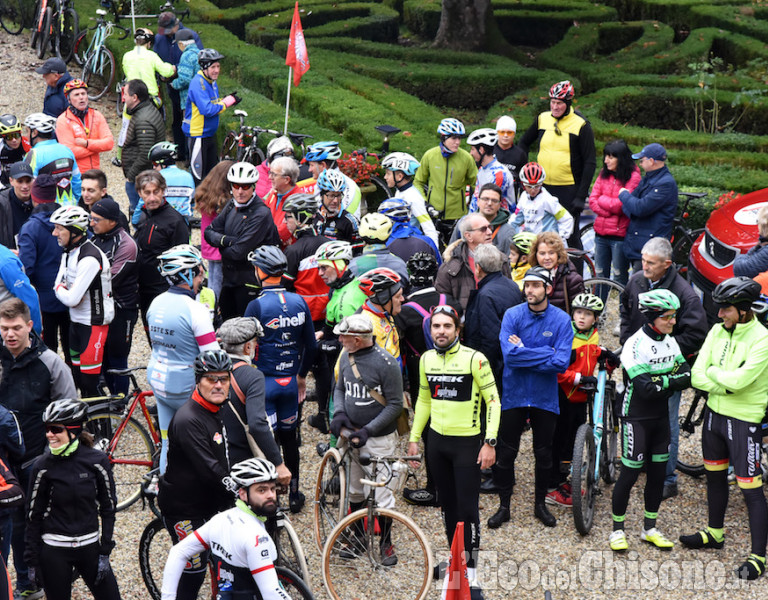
(656, 368)
(411, 195)
(179, 329)
(201, 117)
(732, 367)
(243, 553)
(542, 213)
(496, 173)
(84, 284)
(275, 201)
(342, 226)
(142, 63)
(179, 192)
(384, 329)
(451, 386)
(51, 158)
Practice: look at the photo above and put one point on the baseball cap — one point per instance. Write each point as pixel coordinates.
(166, 21)
(19, 170)
(52, 65)
(184, 35)
(654, 151)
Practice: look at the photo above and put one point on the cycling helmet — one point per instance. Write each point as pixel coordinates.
(143, 35)
(163, 153)
(538, 273)
(239, 330)
(422, 267)
(332, 180)
(506, 123)
(532, 174)
(562, 90)
(401, 161)
(396, 209)
(74, 218)
(280, 146)
(269, 259)
(354, 325)
(740, 292)
(449, 127)
(303, 207)
(67, 411)
(180, 263)
(40, 122)
(483, 137)
(243, 173)
(323, 151)
(588, 302)
(656, 302)
(74, 84)
(211, 361)
(249, 471)
(9, 124)
(375, 228)
(207, 57)
(334, 250)
(380, 284)
(523, 241)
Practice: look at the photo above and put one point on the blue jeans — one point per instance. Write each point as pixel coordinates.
(609, 253)
(215, 275)
(674, 437)
(133, 197)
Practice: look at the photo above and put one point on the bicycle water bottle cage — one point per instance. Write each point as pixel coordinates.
(364, 458)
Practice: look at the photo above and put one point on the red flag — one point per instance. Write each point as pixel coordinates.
(456, 586)
(297, 56)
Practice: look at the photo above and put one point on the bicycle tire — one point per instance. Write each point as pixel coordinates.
(68, 28)
(408, 579)
(36, 25)
(330, 504)
(99, 72)
(290, 553)
(119, 102)
(134, 445)
(381, 193)
(44, 39)
(610, 319)
(296, 587)
(681, 250)
(587, 236)
(252, 155)
(609, 445)
(229, 147)
(12, 16)
(80, 51)
(583, 483)
(689, 457)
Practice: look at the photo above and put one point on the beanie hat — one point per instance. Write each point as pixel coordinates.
(107, 208)
(44, 189)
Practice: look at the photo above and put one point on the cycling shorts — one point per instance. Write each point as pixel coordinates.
(282, 402)
(86, 346)
(644, 439)
(725, 440)
(179, 528)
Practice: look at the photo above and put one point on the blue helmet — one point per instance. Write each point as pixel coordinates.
(323, 151)
(396, 209)
(332, 180)
(451, 127)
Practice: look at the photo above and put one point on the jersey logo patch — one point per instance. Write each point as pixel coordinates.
(218, 438)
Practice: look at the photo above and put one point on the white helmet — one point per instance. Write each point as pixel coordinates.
(506, 123)
(178, 259)
(483, 137)
(451, 126)
(250, 471)
(279, 146)
(332, 180)
(40, 122)
(334, 250)
(243, 172)
(71, 217)
(401, 161)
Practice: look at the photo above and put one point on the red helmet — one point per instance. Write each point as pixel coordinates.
(532, 174)
(74, 84)
(379, 281)
(562, 90)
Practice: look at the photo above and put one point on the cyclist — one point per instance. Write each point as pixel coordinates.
(324, 155)
(400, 168)
(655, 368)
(56, 76)
(179, 329)
(406, 239)
(506, 151)
(84, 284)
(489, 170)
(732, 367)
(447, 194)
(278, 147)
(518, 255)
(13, 146)
(375, 230)
(244, 555)
(538, 210)
(286, 353)
(180, 189)
(454, 382)
(385, 298)
(332, 220)
(48, 157)
(15, 203)
(191, 490)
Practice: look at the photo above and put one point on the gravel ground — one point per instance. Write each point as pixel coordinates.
(523, 558)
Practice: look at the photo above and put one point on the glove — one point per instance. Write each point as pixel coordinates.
(587, 381)
(226, 241)
(339, 421)
(237, 98)
(329, 345)
(35, 576)
(103, 570)
(359, 438)
(610, 358)
(228, 100)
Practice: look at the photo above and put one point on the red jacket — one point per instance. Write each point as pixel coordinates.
(604, 202)
(584, 355)
(95, 131)
(278, 214)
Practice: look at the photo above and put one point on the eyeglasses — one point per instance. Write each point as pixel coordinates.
(444, 309)
(12, 136)
(273, 174)
(482, 228)
(96, 219)
(491, 200)
(214, 379)
(668, 317)
(57, 429)
(333, 195)
(242, 186)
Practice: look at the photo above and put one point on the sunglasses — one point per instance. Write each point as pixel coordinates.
(444, 309)
(242, 186)
(505, 132)
(557, 129)
(57, 429)
(12, 136)
(668, 317)
(483, 228)
(214, 379)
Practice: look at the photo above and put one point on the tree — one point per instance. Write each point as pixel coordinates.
(469, 25)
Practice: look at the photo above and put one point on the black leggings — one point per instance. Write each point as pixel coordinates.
(118, 348)
(203, 156)
(55, 327)
(453, 462)
(289, 442)
(56, 566)
(572, 415)
(234, 300)
(193, 576)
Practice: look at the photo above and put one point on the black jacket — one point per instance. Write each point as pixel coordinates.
(122, 253)
(158, 230)
(13, 214)
(145, 129)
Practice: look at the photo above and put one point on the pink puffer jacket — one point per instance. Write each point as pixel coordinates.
(604, 202)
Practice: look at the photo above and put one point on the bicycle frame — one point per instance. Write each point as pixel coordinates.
(598, 411)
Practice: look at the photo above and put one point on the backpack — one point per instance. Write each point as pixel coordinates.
(424, 323)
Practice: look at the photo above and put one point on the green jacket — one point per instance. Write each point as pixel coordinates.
(732, 367)
(344, 302)
(444, 181)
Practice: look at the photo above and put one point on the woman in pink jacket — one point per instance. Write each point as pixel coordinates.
(619, 170)
(211, 196)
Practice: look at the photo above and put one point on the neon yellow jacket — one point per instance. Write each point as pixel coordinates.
(142, 63)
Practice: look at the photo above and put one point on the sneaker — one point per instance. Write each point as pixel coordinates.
(34, 594)
(541, 512)
(655, 537)
(388, 555)
(559, 497)
(670, 491)
(118, 163)
(618, 541)
(296, 501)
(752, 568)
(318, 422)
(475, 591)
(701, 539)
(420, 497)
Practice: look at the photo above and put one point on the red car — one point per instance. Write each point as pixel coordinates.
(730, 231)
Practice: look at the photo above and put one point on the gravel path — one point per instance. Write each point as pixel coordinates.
(522, 559)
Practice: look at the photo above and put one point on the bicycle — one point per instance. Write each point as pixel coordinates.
(131, 447)
(608, 324)
(689, 458)
(352, 551)
(55, 27)
(97, 60)
(684, 237)
(243, 145)
(12, 16)
(122, 9)
(590, 464)
(589, 271)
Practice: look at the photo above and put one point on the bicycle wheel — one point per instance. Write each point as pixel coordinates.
(609, 321)
(583, 483)
(330, 505)
(68, 29)
(44, 37)
(290, 554)
(609, 445)
(131, 457)
(12, 16)
(352, 560)
(36, 26)
(689, 458)
(294, 585)
(377, 196)
(681, 250)
(80, 51)
(252, 155)
(229, 147)
(99, 72)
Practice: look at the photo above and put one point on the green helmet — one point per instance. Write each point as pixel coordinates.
(523, 241)
(588, 302)
(655, 302)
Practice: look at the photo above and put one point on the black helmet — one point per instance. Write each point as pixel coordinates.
(66, 411)
(163, 153)
(269, 259)
(538, 273)
(303, 207)
(740, 292)
(422, 267)
(208, 56)
(211, 361)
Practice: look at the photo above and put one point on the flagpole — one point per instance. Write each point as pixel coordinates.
(288, 100)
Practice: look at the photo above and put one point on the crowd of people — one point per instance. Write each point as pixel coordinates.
(456, 298)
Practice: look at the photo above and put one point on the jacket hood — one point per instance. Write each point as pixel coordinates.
(453, 250)
(36, 348)
(501, 218)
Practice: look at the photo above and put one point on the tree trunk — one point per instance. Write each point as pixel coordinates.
(463, 24)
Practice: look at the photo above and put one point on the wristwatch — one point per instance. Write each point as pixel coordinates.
(491, 442)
